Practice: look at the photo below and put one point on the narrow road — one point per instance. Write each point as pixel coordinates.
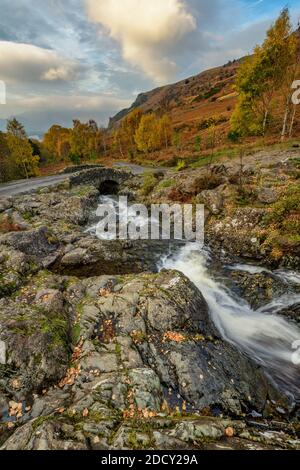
(24, 186)
(138, 169)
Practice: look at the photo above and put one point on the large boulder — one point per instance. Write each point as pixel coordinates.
(267, 195)
(37, 345)
(147, 352)
(213, 199)
(37, 243)
(240, 233)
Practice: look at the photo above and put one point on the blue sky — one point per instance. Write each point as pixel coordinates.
(64, 59)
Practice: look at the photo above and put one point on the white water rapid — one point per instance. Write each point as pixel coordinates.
(265, 337)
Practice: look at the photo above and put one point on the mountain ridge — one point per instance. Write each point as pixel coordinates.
(191, 91)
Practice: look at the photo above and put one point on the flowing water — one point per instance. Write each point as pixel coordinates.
(266, 337)
(263, 335)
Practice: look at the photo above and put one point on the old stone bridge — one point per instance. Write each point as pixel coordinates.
(106, 180)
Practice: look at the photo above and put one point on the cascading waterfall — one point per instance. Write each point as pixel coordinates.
(267, 338)
(261, 334)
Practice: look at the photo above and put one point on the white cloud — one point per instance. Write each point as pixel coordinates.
(147, 31)
(28, 63)
(38, 113)
(72, 102)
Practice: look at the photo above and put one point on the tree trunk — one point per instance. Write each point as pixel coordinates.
(283, 132)
(166, 139)
(25, 169)
(241, 170)
(285, 119)
(120, 147)
(292, 122)
(265, 121)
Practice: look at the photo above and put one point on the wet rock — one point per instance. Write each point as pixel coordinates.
(3, 405)
(258, 289)
(90, 256)
(178, 350)
(38, 243)
(74, 257)
(292, 312)
(148, 390)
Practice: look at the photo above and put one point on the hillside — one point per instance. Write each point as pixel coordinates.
(191, 101)
(199, 102)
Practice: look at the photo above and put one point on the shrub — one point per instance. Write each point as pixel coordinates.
(284, 217)
(233, 136)
(149, 184)
(177, 195)
(284, 207)
(166, 184)
(181, 165)
(75, 159)
(212, 121)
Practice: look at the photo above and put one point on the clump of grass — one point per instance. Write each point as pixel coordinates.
(287, 206)
(166, 184)
(149, 183)
(181, 165)
(283, 223)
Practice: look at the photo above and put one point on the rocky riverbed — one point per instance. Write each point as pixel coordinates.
(105, 351)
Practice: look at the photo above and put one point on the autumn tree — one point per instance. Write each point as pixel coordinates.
(57, 142)
(262, 75)
(20, 149)
(292, 59)
(85, 140)
(8, 168)
(147, 135)
(165, 131)
(124, 136)
(177, 141)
